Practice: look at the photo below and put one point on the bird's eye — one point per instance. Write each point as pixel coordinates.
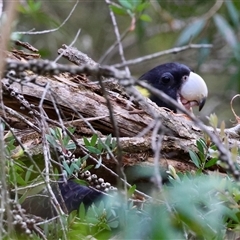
(167, 78)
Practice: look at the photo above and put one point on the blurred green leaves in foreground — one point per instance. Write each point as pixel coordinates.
(192, 207)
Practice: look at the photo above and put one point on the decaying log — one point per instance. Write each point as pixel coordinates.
(79, 99)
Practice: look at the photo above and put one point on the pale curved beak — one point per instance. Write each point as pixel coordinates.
(194, 91)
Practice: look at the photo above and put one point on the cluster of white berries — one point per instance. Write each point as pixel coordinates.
(92, 179)
(96, 182)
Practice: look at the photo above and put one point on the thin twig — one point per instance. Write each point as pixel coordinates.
(157, 136)
(161, 53)
(21, 118)
(54, 200)
(111, 48)
(74, 40)
(118, 37)
(115, 129)
(212, 11)
(50, 30)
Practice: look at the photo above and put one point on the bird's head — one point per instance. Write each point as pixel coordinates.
(178, 82)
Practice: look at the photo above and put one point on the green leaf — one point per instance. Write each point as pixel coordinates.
(93, 150)
(126, 4)
(34, 6)
(201, 145)
(231, 214)
(58, 132)
(233, 12)
(195, 158)
(86, 142)
(213, 120)
(142, 6)
(145, 18)
(108, 140)
(119, 10)
(191, 31)
(82, 211)
(51, 140)
(88, 167)
(94, 139)
(19, 179)
(71, 129)
(226, 30)
(37, 6)
(74, 167)
(66, 140)
(113, 224)
(81, 182)
(10, 145)
(100, 145)
(131, 190)
(66, 167)
(71, 146)
(203, 53)
(114, 144)
(52, 131)
(84, 158)
(211, 162)
(28, 173)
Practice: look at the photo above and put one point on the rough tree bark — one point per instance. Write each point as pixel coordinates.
(82, 94)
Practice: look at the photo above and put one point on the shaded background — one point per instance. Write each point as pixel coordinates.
(155, 26)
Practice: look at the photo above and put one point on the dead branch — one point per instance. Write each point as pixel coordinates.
(81, 104)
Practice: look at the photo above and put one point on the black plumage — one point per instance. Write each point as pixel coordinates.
(74, 194)
(68, 194)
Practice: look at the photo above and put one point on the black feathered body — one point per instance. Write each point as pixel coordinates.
(69, 195)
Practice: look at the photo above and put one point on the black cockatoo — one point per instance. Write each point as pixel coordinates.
(174, 79)
(69, 195)
(178, 82)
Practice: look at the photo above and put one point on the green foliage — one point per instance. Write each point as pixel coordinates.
(132, 8)
(225, 23)
(97, 221)
(97, 147)
(207, 154)
(196, 206)
(56, 138)
(74, 167)
(131, 190)
(226, 30)
(33, 9)
(16, 169)
(200, 207)
(191, 32)
(203, 159)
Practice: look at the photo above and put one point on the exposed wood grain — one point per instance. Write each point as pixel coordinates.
(79, 95)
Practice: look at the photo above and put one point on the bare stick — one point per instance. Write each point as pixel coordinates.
(162, 53)
(51, 30)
